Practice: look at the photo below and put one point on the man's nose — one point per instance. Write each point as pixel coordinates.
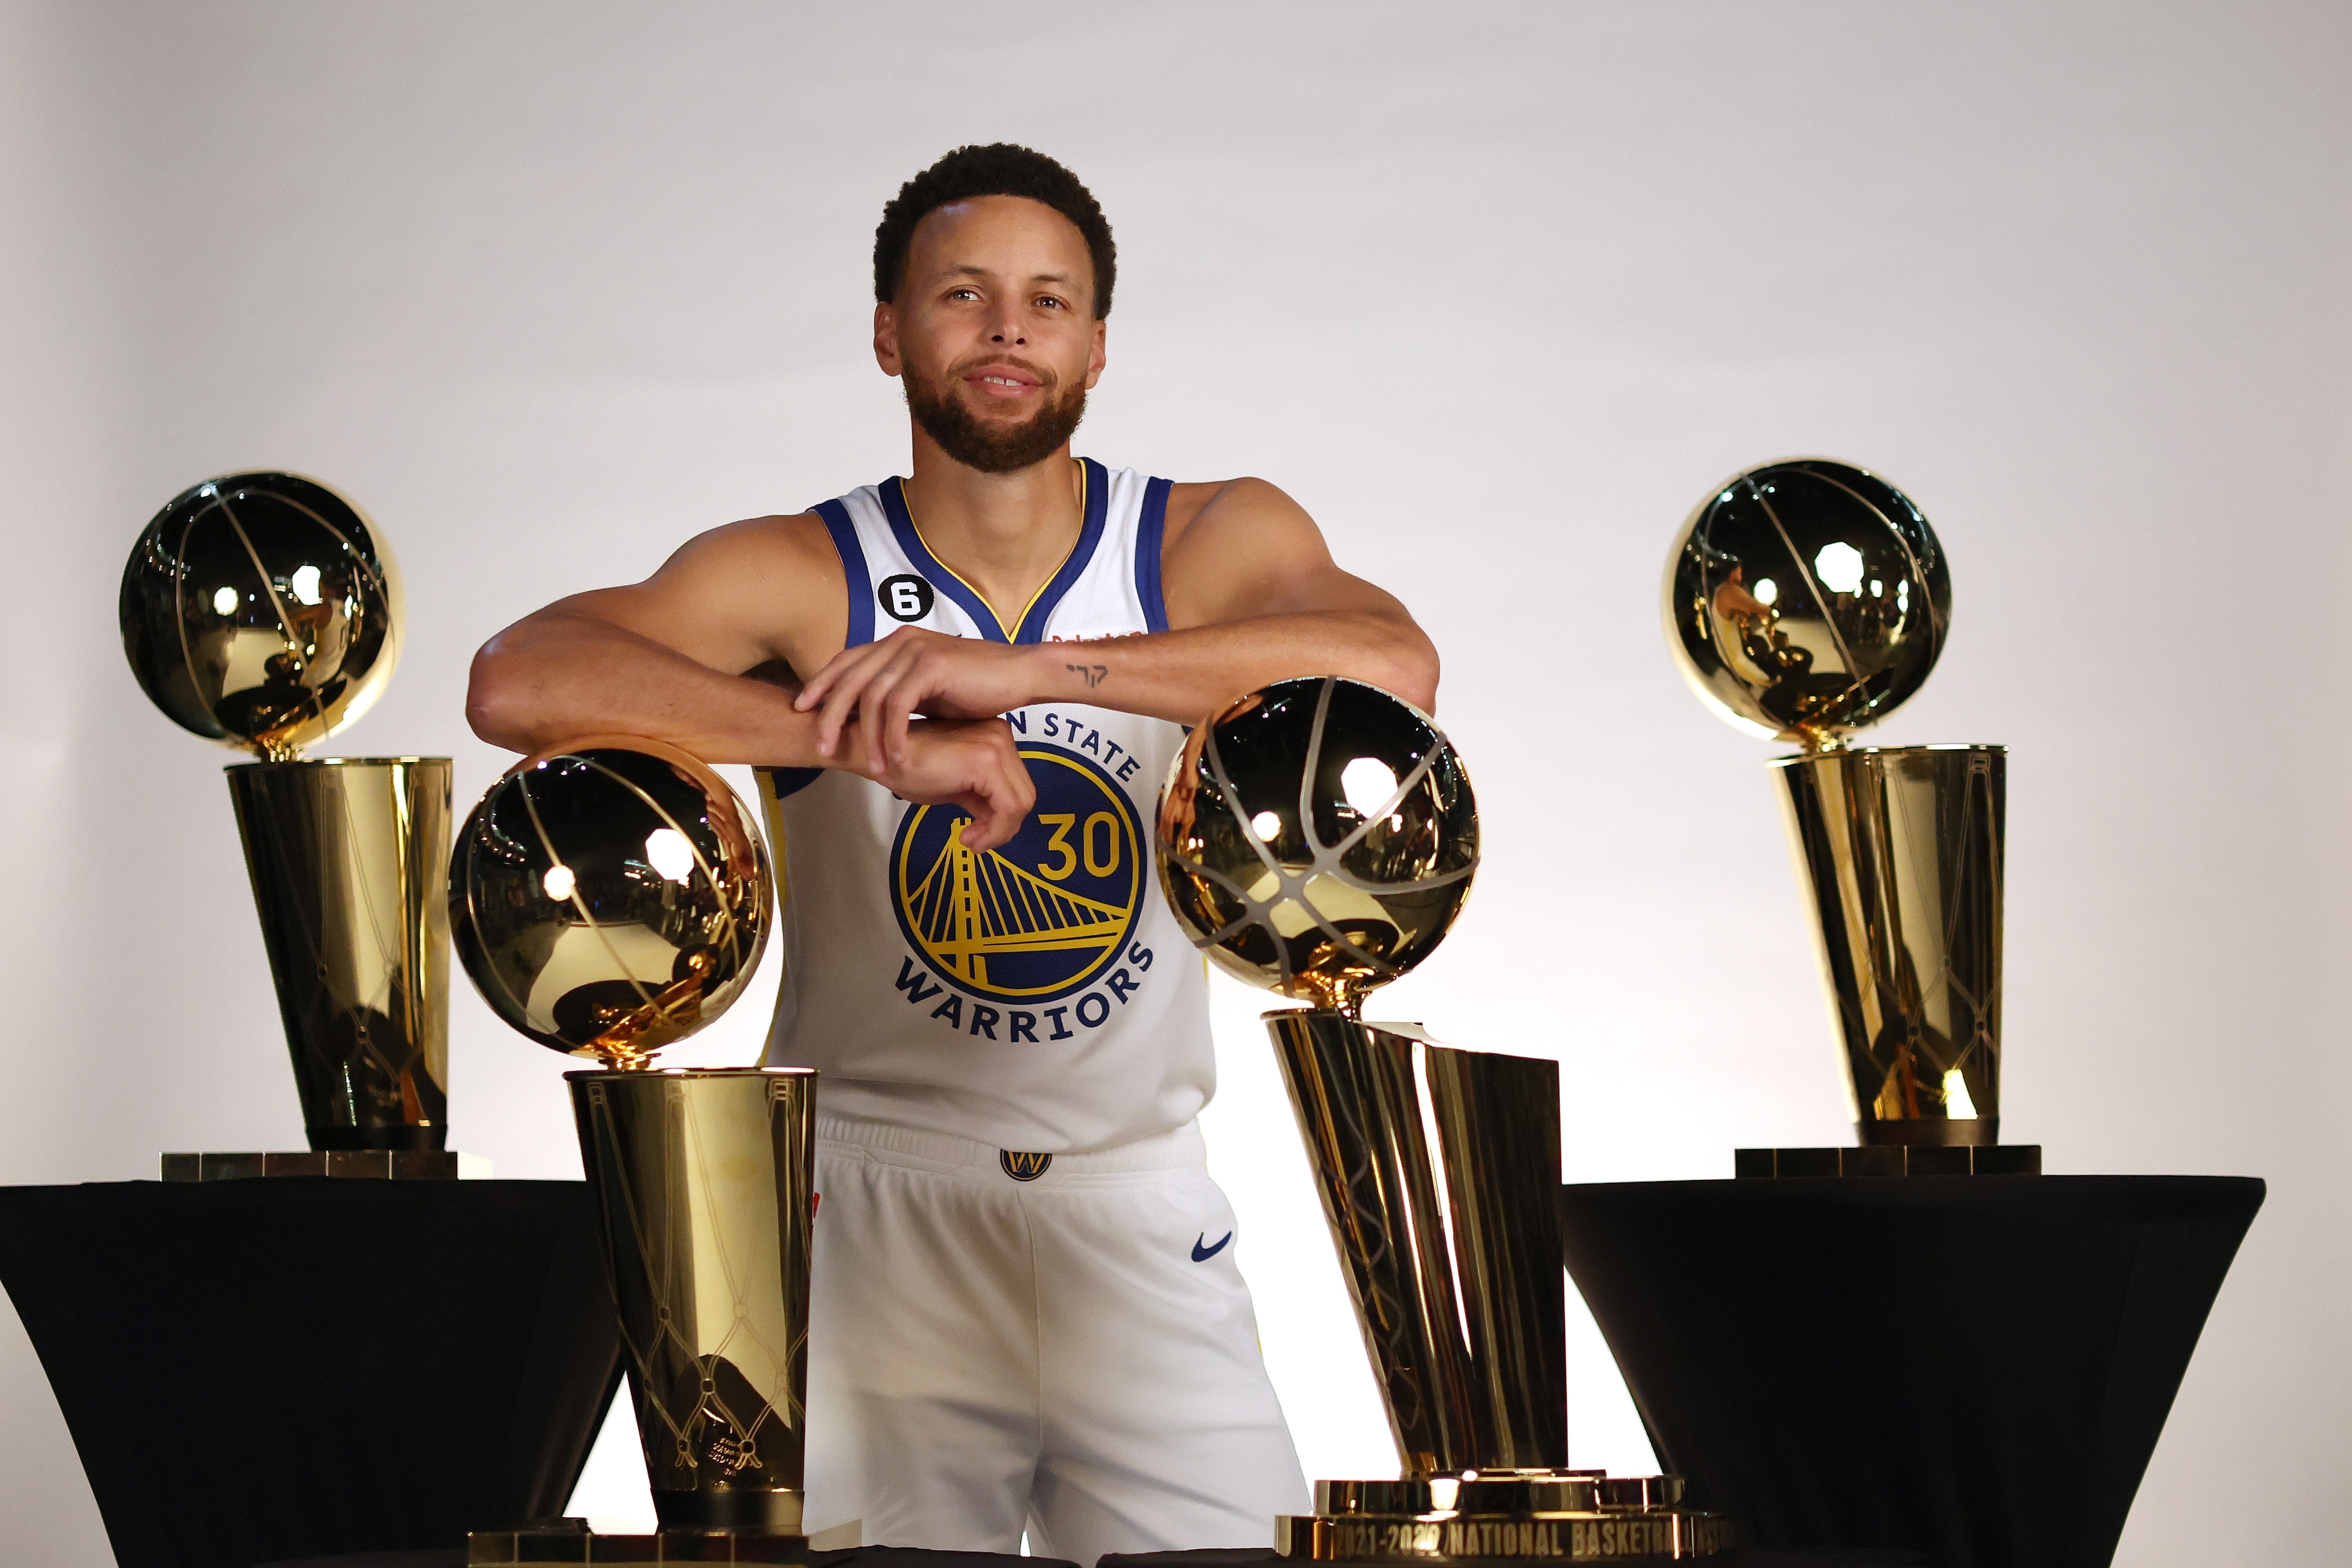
(1006, 329)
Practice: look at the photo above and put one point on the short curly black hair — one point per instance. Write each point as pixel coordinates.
(999, 169)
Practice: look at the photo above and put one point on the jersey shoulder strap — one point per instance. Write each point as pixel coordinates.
(875, 536)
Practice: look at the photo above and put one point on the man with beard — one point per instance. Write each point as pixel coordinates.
(963, 689)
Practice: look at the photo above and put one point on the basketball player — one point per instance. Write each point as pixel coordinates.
(965, 687)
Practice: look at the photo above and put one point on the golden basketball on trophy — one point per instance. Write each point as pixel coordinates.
(1317, 839)
(1320, 842)
(1805, 599)
(610, 898)
(262, 611)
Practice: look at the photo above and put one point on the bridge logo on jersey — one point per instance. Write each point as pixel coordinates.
(1035, 918)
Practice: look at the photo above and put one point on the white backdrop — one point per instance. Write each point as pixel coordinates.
(1499, 292)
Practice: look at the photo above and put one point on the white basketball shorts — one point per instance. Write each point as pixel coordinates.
(1073, 1355)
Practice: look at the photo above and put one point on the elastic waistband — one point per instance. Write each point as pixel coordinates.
(1179, 1150)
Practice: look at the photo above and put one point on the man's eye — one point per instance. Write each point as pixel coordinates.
(963, 294)
(1049, 299)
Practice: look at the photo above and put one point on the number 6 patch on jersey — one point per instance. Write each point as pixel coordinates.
(906, 597)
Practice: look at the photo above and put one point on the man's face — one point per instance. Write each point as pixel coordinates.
(993, 331)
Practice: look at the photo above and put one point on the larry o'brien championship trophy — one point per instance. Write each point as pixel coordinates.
(263, 611)
(1804, 600)
(608, 898)
(1317, 839)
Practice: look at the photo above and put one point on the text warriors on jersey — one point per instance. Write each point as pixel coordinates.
(1035, 940)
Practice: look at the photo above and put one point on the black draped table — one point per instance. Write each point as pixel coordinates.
(282, 1370)
(908, 1557)
(853, 1557)
(269, 1369)
(1975, 1367)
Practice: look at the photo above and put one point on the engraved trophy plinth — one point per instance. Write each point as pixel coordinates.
(607, 899)
(263, 611)
(1803, 600)
(1317, 839)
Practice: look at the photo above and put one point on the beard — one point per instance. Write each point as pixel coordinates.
(990, 448)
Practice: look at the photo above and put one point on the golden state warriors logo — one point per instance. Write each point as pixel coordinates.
(1039, 916)
(1024, 1167)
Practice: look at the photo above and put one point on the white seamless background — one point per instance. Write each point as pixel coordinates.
(1499, 292)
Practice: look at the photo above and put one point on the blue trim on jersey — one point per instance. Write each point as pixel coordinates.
(791, 781)
(852, 570)
(902, 528)
(1031, 629)
(1041, 610)
(1148, 530)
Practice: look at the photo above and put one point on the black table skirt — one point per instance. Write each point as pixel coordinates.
(263, 1370)
(271, 1371)
(904, 1557)
(854, 1557)
(1975, 1367)
(1744, 1557)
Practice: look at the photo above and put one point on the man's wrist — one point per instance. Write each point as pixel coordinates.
(849, 755)
(1071, 670)
(848, 751)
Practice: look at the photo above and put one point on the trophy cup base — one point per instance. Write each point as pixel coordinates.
(571, 1541)
(1935, 1131)
(754, 1511)
(1580, 1516)
(379, 1164)
(1891, 1160)
(404, 1138)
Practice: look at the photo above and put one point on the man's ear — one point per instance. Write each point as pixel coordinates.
(886, 340)
(1096, 357)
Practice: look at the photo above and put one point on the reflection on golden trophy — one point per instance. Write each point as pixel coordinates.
(1804, 600)
(607, 899)
(263, 611)
(1317, 839)
(610, 898)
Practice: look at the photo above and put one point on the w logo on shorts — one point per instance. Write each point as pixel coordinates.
(1022, 1167)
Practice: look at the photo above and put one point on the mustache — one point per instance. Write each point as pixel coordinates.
(1046, 379)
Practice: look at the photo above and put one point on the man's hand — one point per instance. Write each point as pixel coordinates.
(887, 684)
(972, 763)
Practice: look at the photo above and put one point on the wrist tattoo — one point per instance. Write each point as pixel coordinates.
(1092, 674)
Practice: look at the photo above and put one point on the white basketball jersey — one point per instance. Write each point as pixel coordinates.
(1037, 996)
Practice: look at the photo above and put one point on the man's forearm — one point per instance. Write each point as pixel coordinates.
(557, 678)
(1184, 675)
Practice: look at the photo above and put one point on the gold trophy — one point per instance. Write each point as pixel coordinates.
(1317, 839)
(609, 898)
(263, 611)
(1805, 599)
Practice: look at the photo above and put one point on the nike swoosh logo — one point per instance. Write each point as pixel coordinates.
(1202, 1254)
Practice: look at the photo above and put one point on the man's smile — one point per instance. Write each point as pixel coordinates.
(1002, 381)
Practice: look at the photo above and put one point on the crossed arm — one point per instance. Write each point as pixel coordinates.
(1253, 597)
